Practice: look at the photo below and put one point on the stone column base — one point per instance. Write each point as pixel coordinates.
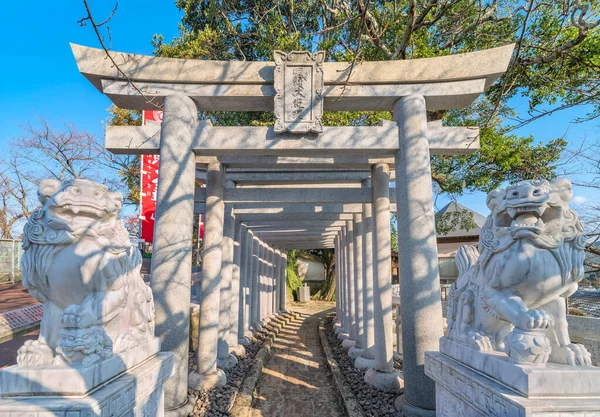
(227, 362)
(183, 410)
(138, 391)
(363, 363)
(412, 411)
(354, 352)
(198, 381)
(239, 351)
(348, 343)
(385, 381)
(245, 341)
(343, 336)
(460, 390)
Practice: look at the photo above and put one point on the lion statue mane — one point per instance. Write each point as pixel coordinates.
(510, 293)
(79, 262)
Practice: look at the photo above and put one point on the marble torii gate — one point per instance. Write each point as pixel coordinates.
(184, 87)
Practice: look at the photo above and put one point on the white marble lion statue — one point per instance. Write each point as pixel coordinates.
(79, 262)
(510, 293)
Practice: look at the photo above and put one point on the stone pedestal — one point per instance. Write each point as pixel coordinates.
(304, 294)
(74, 379)
(471, 383)
(136, 392)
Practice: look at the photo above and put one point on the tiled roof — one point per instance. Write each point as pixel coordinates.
(586, 300)
(456, 207)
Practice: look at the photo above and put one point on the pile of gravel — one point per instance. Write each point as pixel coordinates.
(374, 402)
(217, 402)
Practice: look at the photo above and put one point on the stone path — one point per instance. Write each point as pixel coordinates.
(8, 350)
(13, 296)
(296, 381)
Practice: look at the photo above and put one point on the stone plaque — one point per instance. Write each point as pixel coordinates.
(298, 88)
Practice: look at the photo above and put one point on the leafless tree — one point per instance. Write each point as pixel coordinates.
(43, 152)
(107, 45)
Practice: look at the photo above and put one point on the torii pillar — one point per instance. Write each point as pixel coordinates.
(420, 298)
(172, 247)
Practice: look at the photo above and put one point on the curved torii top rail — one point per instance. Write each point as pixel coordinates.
(447, 82)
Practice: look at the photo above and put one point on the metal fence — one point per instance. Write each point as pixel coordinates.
(10, 261)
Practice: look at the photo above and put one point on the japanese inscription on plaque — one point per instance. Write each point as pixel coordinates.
(298, 91)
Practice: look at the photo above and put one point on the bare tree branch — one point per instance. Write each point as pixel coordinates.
(106, 49)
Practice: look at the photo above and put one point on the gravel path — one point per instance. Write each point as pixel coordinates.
(375, 403)
(217, 401)
(296, 381)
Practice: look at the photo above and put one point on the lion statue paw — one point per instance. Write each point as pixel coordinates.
(572, 354)
(481, 342)
(535, 319)
(34, 353)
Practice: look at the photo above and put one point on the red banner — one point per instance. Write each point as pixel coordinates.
(200, 227)
(149, 180)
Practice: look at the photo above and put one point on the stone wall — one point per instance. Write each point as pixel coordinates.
(586, 330)
(310, 269)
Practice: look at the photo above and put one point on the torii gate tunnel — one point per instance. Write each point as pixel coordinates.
(296, 185)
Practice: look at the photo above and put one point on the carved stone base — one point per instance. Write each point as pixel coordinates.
(137, 392)
(528, 346)
(72, 379)
(461, 391)
(529, 380)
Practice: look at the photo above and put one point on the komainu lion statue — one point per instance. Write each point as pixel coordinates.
(510, 294)
(79, 262)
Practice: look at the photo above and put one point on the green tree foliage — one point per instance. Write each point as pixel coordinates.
(292, 280)
(555, 65)
(393, 232)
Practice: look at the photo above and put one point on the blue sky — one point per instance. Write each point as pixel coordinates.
(38, 75)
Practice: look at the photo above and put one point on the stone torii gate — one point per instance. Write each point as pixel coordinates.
(298, 150)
